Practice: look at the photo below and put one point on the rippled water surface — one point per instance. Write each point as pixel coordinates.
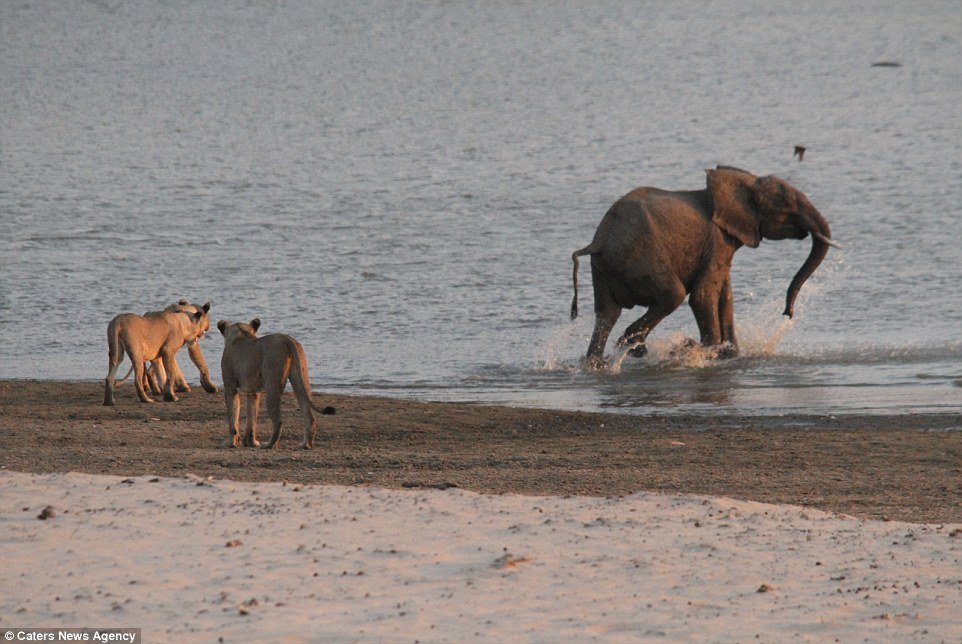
(400, 185)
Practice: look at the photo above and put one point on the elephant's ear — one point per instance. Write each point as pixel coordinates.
(734, 206)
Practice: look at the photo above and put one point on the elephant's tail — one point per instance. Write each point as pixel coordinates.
(587, 250)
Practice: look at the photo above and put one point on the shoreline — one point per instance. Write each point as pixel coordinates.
(905, 467)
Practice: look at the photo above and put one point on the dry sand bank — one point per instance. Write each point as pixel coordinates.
(192, 560)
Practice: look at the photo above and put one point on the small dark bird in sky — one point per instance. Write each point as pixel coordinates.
(799, 152)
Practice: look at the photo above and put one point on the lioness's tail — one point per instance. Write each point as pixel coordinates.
(587, 250)
(115, 351)
(115, 355)
(300, 381)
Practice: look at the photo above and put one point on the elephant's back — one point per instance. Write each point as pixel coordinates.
(631, 221)
(653, 214)
(636, 246)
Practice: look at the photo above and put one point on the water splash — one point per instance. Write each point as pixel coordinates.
(558, 348)
(760, 340)
(676, 350)
(613, 362)
(759, 336)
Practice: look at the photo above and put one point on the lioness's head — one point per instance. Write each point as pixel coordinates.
(198, 314)
(233, 330)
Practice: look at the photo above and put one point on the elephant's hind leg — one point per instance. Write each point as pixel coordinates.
(604, 322)
(637, 332)
(607, 313)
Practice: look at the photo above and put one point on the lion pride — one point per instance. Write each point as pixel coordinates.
(151, 338)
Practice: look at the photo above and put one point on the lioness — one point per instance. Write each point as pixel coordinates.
(153, 337)
(156, 375)
(255, 365)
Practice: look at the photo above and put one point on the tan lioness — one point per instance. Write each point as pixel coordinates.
(156, 375)
(256, 365)
(155, 337)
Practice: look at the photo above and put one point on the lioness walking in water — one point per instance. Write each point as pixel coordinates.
(256, 365)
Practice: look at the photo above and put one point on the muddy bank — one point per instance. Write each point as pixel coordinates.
(900, 467)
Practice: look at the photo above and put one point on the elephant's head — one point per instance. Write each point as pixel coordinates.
(751, 208)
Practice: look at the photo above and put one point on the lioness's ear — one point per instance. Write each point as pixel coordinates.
(222, 326)
(183, 302)
(256, 323)
(206, 307)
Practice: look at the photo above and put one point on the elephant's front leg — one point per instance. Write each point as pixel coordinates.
(726, 317)
(711, 302)
(705, 305)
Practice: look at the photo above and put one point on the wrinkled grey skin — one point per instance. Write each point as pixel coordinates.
(653, 247)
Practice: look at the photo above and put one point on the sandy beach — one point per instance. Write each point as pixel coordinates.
(192, 560)
(443, 522)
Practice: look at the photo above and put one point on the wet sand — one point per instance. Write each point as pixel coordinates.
(898, 467)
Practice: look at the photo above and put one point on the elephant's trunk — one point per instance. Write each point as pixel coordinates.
(815, 224)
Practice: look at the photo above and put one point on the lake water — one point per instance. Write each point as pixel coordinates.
(400, 185)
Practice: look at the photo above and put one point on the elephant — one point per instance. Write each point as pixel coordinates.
(653, 247)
